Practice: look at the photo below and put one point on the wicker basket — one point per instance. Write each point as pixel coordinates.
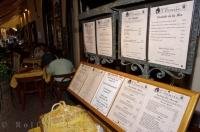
(66, 118)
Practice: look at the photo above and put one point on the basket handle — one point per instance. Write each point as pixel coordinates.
(61, 103)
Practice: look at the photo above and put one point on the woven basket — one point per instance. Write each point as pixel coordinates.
(66, 118)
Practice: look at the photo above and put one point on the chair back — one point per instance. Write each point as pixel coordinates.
(65, 80)
(64, 76)
(30, 84)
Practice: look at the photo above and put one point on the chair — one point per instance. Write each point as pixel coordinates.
(29, 85)
(59, 86)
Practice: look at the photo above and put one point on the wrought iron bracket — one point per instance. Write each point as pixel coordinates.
(146, 71)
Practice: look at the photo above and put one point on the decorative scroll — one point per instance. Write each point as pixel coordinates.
(146, 72)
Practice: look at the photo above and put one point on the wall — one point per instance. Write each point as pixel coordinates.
(195, 82)
(36, 15)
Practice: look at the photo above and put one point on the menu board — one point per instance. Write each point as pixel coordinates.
(133, 104)
(142, 107)
(169, 34)
(133, 34)
(106, 92)
(79, 78)
(89, 37)
(104, 36)
(91, 84)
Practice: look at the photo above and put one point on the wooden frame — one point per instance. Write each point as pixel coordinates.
(187, 114)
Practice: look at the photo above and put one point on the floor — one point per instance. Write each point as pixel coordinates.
(13, 119)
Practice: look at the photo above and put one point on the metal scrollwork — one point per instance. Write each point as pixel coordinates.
(125, 64)
(94, 58)
(162, 73)
(146, 72)
(106, 60)
(134, 66)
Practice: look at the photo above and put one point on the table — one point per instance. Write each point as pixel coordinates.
(28, 72)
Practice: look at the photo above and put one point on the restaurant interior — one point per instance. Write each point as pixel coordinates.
(34, 33)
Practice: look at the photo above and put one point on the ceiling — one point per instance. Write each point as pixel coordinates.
(9, 9)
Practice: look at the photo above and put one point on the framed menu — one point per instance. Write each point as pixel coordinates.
(89, 37)
(134, 34)
(79, 78)
(104, 36)
(106, 92)
(91, 84)
(169, 34)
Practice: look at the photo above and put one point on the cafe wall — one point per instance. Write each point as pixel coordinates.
(35, 9)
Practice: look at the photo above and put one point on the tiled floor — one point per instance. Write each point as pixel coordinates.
(13, 119)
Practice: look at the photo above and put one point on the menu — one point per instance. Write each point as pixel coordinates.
(104, 36)
(169, 34)
(106, 92)
(91, 84)
(142, 107)
(128, 103)
(89, 37)
(79, 78)
(133, 34)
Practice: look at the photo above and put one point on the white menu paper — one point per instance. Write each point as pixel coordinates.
(91, 84)
(133, 34)
(142, 107)
(79, 78)
(169, 34)
(104, 36)
(106, 92)
(89, 37)
(128, 103)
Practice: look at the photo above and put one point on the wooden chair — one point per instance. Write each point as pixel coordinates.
(59, 86)
(29, 85)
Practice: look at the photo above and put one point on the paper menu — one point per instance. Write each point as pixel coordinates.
(91, 84)
(163, 111)
(89, 37)
(143, 108)
(128, 103)
(133, 34)
(169, 34)
(106, 92)
(104, 36)
(79, 78)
